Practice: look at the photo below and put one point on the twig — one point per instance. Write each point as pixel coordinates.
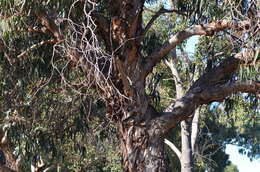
(34, 46)
(161, 11)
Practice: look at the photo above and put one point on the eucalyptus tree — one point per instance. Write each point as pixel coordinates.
(100, 43)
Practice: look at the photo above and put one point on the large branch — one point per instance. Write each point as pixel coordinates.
(202, 29)
(212, 86)
(183, 107)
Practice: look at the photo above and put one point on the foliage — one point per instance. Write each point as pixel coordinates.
(231, 168)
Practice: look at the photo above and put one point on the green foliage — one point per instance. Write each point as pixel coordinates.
(44, 116)
(231, 168)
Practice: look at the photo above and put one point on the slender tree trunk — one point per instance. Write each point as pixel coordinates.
(186, 156)
(194, 130)
(189, 133)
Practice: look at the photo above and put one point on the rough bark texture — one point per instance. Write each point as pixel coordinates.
(141, 128)
(142, 147)
(8, 160)
(141, 144)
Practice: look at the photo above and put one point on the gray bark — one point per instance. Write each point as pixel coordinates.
(186, 151)
(173, 148)
(194, 130)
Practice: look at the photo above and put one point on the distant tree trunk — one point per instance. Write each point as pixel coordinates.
(186, 158)
(194, 130)
(186, 151)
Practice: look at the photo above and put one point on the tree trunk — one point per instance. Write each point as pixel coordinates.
(186, 156)
(8, 161)
(142, 148)
(194, 130)
(186, 151)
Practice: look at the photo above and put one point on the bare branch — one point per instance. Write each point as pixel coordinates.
(219, 93)
(34, 46)
(202, 29)
(161, 11)
(173, 147)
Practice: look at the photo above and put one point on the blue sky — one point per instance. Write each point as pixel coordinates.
(242, 161)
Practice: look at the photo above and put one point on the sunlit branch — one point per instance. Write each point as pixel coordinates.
(173, 147)
(202, 29)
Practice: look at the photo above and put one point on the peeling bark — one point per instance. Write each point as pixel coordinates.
(11, 164)
(142, 147)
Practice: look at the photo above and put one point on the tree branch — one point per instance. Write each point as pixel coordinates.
(183, 107)
(34, 46)
(173, 147)
(161, 11)
(202, 29)
(177, 79)
(212, 86)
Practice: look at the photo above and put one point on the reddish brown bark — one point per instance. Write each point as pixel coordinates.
(142, 147)
(10, 164)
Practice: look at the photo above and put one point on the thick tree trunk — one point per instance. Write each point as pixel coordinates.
(8, 162)
(142, 148)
